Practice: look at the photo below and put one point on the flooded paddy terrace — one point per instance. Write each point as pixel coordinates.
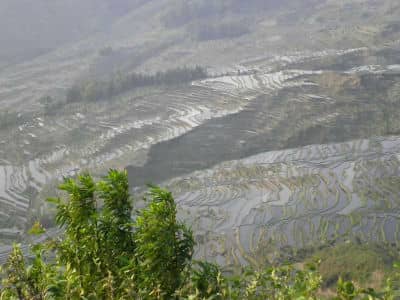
(220, 145)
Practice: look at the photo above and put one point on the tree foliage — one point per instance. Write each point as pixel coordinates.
(108, 250)
(93, 90)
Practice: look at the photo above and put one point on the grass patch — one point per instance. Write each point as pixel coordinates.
(364, 264)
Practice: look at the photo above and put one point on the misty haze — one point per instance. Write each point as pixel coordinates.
(274, 124)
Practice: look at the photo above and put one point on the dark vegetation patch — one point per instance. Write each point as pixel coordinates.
(93, 90)
(50, 105)
(9, 119)
(391, 29)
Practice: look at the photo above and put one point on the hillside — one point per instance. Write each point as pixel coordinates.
(32, 28)
(292, 137)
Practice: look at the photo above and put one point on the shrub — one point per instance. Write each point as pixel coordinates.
(110, 251)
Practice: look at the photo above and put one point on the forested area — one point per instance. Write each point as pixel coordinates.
(94, 90)
(110, 250)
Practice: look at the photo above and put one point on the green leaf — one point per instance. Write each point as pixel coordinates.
(36, 229)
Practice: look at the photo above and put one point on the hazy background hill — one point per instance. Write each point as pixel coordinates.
(159, 27)
(30, 28)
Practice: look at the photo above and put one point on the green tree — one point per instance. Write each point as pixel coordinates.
(108, 251)
(164, 246)
(103, 253)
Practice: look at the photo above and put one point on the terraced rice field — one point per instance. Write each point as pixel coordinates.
(242, 209)
(100, 134)
(221, 145)
(344, 186)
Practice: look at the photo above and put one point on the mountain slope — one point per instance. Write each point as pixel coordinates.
(30, 28)
(287, 76)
